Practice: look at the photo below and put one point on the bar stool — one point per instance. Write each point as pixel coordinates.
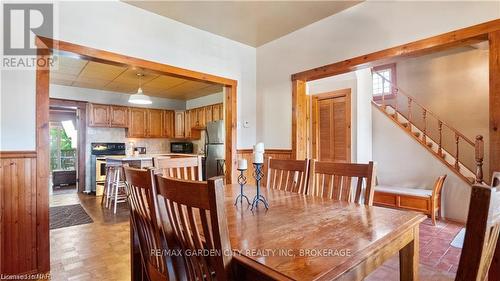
(114, 189)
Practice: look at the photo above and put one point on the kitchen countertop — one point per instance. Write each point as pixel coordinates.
(147, 157)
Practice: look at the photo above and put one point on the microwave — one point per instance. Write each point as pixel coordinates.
(181, 147)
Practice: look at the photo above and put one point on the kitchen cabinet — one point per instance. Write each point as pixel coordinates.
(168, 124)
(103, 115)
(98, 115)
(208, 114)
(201, 117)
(137, 125)
(118, 116)
(187, 124)
(179, 124)
(217, 112)
(154, 123)
(193, 115)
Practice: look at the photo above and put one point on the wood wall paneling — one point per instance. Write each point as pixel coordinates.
(274, 153)
(18, 226)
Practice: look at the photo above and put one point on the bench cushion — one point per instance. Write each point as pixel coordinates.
(404, 190)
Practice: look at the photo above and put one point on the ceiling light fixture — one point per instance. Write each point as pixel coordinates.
(139, 97)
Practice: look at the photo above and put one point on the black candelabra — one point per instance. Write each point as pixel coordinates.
(242, 180)
(258, 174)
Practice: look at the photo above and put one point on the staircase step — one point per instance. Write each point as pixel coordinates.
(417, 134)
(430, 144)
(394, 115)
(442, 155)
(405, 124)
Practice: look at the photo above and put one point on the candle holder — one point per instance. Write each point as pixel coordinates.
(242, 180)
(258, 174)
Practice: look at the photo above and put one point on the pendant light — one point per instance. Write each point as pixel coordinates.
(139, 97)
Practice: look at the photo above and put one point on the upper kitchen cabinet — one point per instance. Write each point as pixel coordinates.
(208, 114)
(187, 124)
(217, 112)
(179, 125)
(98, 115)
(103, 115)
(200, 112)
(118, 116)
(137, 125)
(154, 123)
(168, 124)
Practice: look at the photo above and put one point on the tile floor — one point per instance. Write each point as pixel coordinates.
(100, 250)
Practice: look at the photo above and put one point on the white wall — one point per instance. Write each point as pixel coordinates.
(364, 28)
(402, 161)
(107, 97)
(205, 100)
(118, 27)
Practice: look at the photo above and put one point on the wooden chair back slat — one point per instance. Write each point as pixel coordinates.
(288, 175)
(196, 213)
(481, 235)
(342, 181)
(144, 221)
(187, 168)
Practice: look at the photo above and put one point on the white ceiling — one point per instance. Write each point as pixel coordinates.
(250, 22)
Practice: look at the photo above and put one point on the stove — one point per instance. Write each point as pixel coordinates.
(99, 151)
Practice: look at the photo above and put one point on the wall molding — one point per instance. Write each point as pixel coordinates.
(18, 154)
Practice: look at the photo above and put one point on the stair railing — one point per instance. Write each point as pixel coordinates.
(477, 145)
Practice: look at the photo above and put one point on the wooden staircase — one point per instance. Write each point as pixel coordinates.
(464, 157)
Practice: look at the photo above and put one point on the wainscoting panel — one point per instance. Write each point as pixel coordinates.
(273, 153)
(18, 240)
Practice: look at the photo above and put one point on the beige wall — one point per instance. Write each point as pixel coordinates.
(453, 85)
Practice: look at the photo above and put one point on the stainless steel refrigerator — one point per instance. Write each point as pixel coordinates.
(214, 149)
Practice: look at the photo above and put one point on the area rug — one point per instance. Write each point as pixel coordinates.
(458, 241)
(69, 215)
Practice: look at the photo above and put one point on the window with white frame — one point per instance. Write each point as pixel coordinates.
(383, 86)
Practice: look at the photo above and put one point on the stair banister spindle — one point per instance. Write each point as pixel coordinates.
(396, 99)
(424, 130)
(479, 147)
(409, 112)
(440, 129)
(457, 138)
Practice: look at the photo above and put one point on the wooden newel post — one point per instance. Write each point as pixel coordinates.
(479, 147)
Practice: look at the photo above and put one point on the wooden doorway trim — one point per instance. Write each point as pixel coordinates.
(45, 47)
(314, 117)
(81, 108)
(486, 31)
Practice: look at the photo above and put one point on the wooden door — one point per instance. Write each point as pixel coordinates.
(98, 115)
(137, 123)
(168, 124)
(155, 123)
(179, 124)
(118, 116)
(332, 126)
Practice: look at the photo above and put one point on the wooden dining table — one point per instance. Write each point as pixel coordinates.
(303, 237)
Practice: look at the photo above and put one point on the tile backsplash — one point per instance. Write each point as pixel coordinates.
(94, 134)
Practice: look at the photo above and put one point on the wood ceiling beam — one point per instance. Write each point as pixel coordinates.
(464, 36)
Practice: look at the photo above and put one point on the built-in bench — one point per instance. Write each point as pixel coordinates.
(416, 199)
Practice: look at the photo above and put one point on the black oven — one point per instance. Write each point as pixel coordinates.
(181, 147)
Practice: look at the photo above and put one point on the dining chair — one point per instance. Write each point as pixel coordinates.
(342, 181)
(436, 199)
(188, 168)
(288, 175)
(197, 216)
(144, 222)
(481, 236)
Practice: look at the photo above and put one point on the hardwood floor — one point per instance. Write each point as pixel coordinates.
(95, 251)
(100, 250)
